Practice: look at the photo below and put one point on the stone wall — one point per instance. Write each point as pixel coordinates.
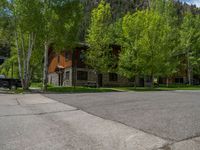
(53, 78)
(120, 82)
(92, 78)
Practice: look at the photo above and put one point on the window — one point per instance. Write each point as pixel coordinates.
(67, 75)
(113, 77)
(82, 75)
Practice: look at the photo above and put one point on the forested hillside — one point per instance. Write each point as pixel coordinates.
(121, 7)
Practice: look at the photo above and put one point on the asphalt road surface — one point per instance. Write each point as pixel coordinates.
(174, 116)
(34, 122)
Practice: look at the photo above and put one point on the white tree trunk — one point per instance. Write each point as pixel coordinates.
(45, 69)
(189, 70)
(19, 59)
(149, 4)
(167, 82)
(29, 53)
(24, 57)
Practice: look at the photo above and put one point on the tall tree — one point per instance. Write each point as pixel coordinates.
(60, 27)
(100, 55)
(188, 40)
(171, 40)
(130, 56)
(6, 30)
(196, 46)
(26, 15)
(43, 22)
(150, 41)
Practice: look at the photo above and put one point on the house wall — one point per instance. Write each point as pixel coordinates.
(53, 78)
(106, 82)
(120, 82)
(62, 61)
(91, 77)
(65, 60)
(67, 81)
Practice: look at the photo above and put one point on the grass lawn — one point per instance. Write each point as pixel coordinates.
(80, 90)
(36, 85)
(118, 89)
(18, 91)
(160, 88)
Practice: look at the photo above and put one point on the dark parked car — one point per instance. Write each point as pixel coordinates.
(9, 83)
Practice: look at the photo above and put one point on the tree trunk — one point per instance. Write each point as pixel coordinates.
(45, 69)
(24, 58)
(145, 84)
(152, 81)
(135, 84)
(97, 79)
(189, 71)
(24, 61)
(74, 75)
(29, 53)
(149, 4)
(19, 59)
(167, 82)
(25, 70)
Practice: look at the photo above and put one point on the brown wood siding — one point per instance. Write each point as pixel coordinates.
(53, 61)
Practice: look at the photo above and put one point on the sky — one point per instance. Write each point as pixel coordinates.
(197, 2)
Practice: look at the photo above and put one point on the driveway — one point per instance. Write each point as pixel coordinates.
(174, 116)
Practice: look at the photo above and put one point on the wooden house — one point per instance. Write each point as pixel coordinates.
(68, 68)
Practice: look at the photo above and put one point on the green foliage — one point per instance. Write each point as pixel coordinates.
(130, 57)
(190, 39)
(79, 90)
(146, 46)
(34, 23)
(6, 28)
(99, 55)
(10, 68)
(60, 22)
(149, 40)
